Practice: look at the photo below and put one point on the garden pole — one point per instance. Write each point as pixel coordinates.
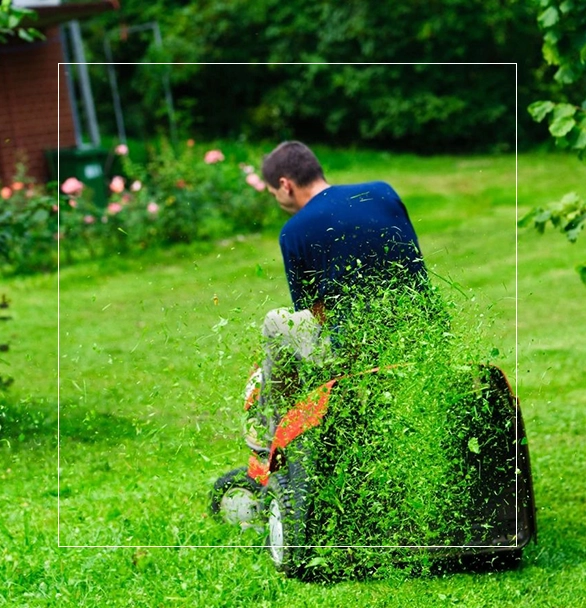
(166, 87)
(154, 26)
(84, 81)
(115, 92)
(71, 89)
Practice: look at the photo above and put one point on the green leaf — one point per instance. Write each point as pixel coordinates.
(13, 20)
(542, 216)
(562, 126)
(549, 17)
(550, 53)
(565, 75)
(526, 219)
(580, 143)
(552, 37)
(25, 35)
(570, 199)
(540, 109)
(473, 445)
(562, 110)
(573, 233)
(566, 6)
(582, 272)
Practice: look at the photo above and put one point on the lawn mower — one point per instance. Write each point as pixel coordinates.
(277, 491)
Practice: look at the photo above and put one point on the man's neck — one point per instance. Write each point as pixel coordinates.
(305, 194)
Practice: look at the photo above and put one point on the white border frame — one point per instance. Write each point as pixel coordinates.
(306, 546)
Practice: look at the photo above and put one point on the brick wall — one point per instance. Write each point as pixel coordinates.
(29, 96)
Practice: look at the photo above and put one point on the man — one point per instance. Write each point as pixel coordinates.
(335, 229)
(340, 240)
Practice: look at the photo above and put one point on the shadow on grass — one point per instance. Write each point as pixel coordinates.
(40, 421)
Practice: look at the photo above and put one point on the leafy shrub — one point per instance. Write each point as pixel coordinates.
(565, 47)
(28, 225)
(425, 106)
(176, 197)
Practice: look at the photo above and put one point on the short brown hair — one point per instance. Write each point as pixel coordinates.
(292, 160)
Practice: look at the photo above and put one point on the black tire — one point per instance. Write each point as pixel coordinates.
(287, 507)
(236, 498)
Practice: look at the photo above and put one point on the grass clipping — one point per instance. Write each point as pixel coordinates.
(412, 453)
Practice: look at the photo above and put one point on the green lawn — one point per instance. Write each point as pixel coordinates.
(153, 355)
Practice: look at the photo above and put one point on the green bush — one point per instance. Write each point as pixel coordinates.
(176, 197)
(28, 225)
(459, 93)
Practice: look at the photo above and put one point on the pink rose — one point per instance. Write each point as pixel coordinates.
(6, 193)
(72, 186)
(89, 219)
(117, 184)
(152, 208)
(54, 208)
(114, 208)
(213, 156)
(72, 203)
(135, 186)
(252, 179)
(121, 149)
(16, 186)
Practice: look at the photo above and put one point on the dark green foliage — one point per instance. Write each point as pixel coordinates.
(422, 107)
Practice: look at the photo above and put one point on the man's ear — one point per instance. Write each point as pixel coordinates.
(287, 184)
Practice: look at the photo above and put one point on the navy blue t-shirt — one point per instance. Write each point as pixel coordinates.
(343, 235)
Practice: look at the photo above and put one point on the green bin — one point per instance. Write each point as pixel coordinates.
(86, 163)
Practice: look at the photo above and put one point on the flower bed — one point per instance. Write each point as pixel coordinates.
(178, 197)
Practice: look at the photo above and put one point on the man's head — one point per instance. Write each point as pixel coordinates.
(293, 175)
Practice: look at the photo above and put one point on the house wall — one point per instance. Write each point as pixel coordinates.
(31, 93)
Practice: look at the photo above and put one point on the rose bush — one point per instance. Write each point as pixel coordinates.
(184, 195)
(28, 225)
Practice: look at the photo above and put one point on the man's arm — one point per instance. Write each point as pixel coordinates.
(302, 282)
(296, 274)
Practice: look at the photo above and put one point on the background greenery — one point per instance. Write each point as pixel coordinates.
(153, 355)
(424, 108)
(564, 46)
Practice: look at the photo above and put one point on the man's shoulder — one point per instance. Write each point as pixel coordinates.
(376, 188)
(290, 227)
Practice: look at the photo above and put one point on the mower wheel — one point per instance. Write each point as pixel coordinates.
(236, 498)
(286, 509)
